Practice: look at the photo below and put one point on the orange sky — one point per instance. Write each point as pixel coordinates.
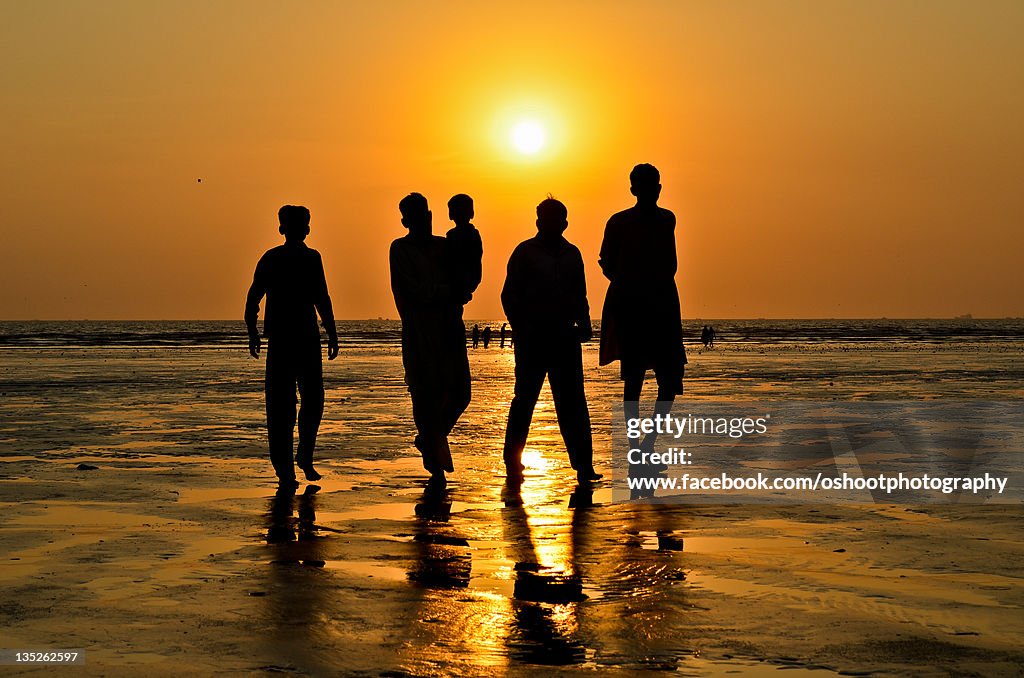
(837, 159)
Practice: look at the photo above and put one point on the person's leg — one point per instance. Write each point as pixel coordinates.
(567, 390)
(423, 415)
(311, 408)
(530, 372)
(670, 379)
(280, 394)
(462, 381)
(632, 386)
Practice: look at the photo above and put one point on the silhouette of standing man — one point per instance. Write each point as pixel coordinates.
(641, 323)
(292, 278)
(433, 334)
(545, 301)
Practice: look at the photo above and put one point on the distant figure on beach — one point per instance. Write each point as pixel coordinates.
(503, 333)
(465, 247)
(487, 336)
(711, 336)
(704, 336)
(641, 324)
(476, 336)
(433, 334)
(292, 278)
(545, 301)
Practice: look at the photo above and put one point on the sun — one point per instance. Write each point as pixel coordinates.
(529, 137)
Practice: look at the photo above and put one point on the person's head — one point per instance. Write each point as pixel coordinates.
(294, 222)
(645, 183)
(460, 208)
(552, 217)
(415, 212)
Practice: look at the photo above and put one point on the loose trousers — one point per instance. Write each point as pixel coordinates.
(291, 364)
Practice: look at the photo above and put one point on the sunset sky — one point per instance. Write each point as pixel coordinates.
(824, 159)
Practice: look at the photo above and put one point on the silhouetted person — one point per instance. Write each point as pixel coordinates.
(292, 278)
(641, 324)
(711, 336)
(545, 301)
(433, 334)
(487, 336)
(704, 336)
(476, 336)
(503, 333)
(465, 247)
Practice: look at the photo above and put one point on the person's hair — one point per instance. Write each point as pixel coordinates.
(292, 215)
(460, 201)
(550, 210)
(645, 174)
(414, 203)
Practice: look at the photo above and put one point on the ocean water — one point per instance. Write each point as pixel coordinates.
(748, 333)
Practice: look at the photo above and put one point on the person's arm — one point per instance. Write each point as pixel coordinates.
(475, 268)
(671, 263)
(257, 290)
(512, 291)
(399, 281)
(322, 302)
(610, 251)
(582, 306)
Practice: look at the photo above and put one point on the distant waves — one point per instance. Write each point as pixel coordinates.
(748, 333)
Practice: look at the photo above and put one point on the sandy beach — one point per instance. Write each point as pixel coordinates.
(175, 555)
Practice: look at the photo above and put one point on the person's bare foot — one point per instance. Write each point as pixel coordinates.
(310, 472)
(587, 476)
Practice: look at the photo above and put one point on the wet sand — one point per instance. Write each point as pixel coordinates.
(175, 555)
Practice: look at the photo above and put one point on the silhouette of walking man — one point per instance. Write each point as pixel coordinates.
(433, 334)
(487, 336)
(291, 276)
(545, 301)
(641, 324)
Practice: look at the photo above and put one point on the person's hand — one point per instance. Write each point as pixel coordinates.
(586, 332)
(254, 347)
(332, 348)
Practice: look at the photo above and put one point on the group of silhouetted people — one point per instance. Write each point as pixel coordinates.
(707, 336)
(544, 298)
(477, 337)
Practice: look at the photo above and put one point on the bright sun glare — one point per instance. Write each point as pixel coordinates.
(528, 137)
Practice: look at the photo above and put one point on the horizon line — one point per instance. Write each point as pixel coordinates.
(501, 319)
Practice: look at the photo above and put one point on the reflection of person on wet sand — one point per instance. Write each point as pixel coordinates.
(433, 334)
(537, 637)
(443, 559)
(545, 301)
(641, 321)
(291, 276)
(295, 600)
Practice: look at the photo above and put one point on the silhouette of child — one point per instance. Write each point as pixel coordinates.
(465, 248)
